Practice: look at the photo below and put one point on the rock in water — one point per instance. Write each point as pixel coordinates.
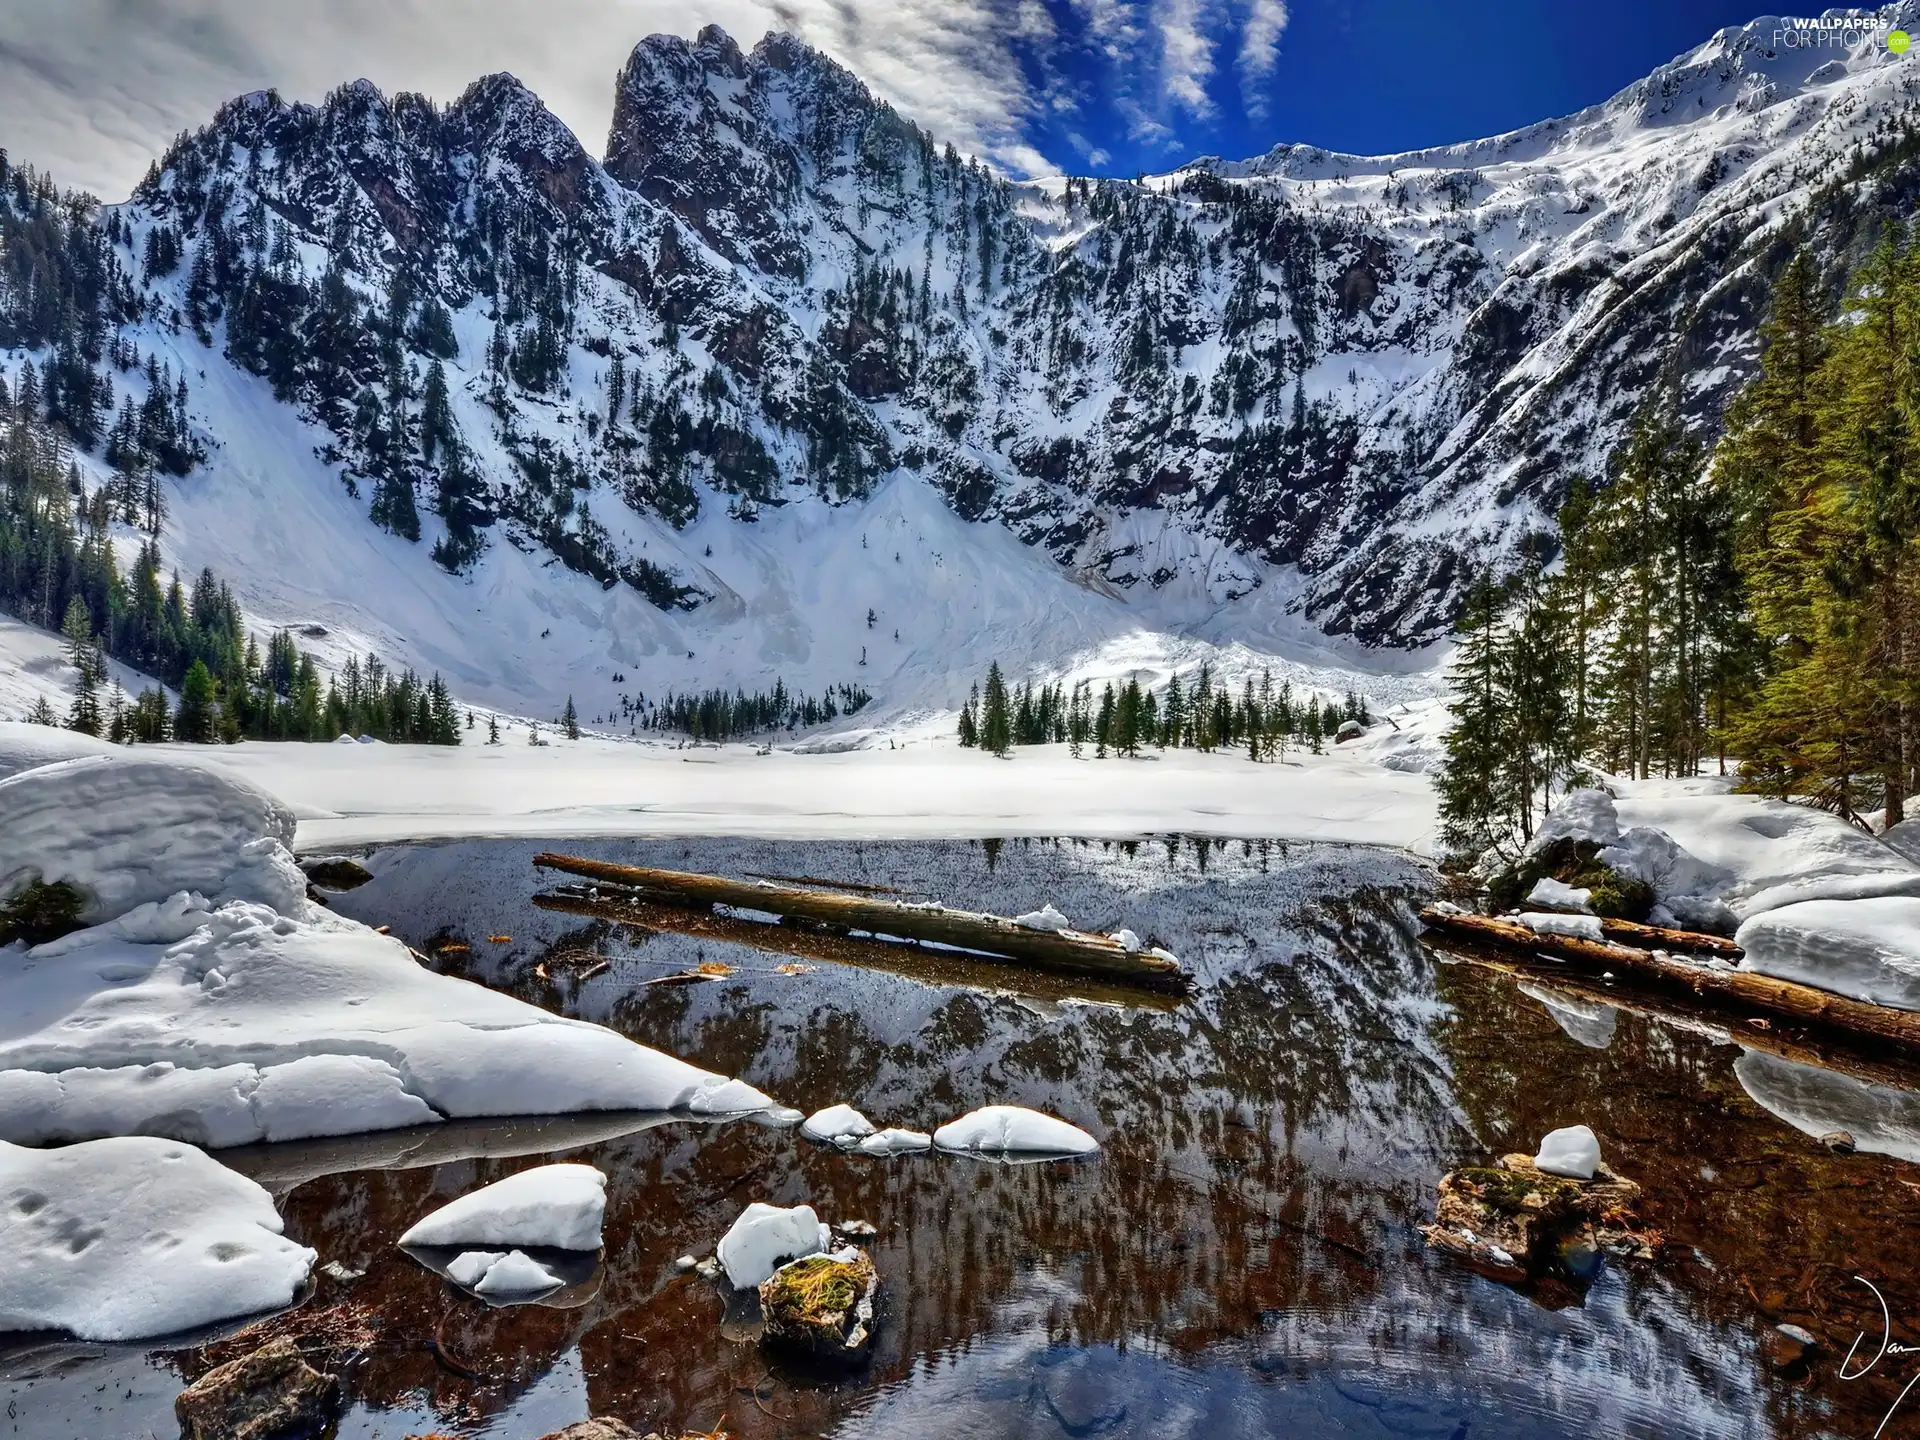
(1788, 1345)
(1514, 1221)
(1840, 1142)
(822, 1308)
(268, 1394)
(604, 1427)
(335, 872)
(1573, 1152)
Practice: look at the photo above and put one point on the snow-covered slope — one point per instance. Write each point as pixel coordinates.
(783, 377)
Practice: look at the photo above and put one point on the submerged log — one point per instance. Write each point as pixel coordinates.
(1069, 951)
(1741, 990)
(916, 962)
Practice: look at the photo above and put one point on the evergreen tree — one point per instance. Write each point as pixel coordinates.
(570, 720)
(197, 720)
(85, 715)
(996, 718)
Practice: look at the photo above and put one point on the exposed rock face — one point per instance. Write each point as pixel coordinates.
(822, 1308)
(1515, 1223)
(271, 1394)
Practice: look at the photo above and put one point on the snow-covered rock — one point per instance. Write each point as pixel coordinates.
(840, 1125)
(1013, 1130)
(895, 1142)
(516, 1274)
(1868, 949)
(1816, 1102)
(560, 1206)
(1551, 894)
(1573, 1151)
(128, 829)
(765, 1237)
(1045, 918)
(1552, 922)
(128, 1238)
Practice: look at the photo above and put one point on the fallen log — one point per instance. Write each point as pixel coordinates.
(903, 958)
(1825, 1050)
(1662, 937)
(993, 936)
(1742, 990)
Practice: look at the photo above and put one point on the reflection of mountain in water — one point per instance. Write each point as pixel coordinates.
(1243, 1246)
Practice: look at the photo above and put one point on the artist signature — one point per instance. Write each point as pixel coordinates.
(1888, 1346)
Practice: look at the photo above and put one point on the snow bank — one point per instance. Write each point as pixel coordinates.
(1816, 1102)
(1868, 949)
(1013, 1129)
(1904, 840)
(560, 1206)
(840, 1125)
(253, 1026)
(896, 1142)
(1573, 1151)
(128, 1238)
(26, 747)
(765, 1237)
(128, 829)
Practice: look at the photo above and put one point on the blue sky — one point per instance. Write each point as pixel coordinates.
(93, 88)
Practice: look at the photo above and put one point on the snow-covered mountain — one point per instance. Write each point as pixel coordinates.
(783, 376)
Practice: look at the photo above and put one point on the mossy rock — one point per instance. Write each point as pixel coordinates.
(41, 912)
(822, 1308)
(1577, 863)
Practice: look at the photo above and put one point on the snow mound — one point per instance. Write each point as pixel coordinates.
(765, 1237)
(1578, 927)
(27, 747)
(1573, 1151)
(517, 1274)
(1045, 918)
(128, 830)
(129, 1238)
(1816, 1102)
(840, 1125)
(1013, 1129)
(1551, 894)
(1128, 940)
(1583, 815)
(254, 1026)
(1868, 949)
(560, 1206)
(895, 1142)
(1904, 840)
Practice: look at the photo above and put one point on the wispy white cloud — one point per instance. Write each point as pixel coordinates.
(1260, 49)
(1186, 54)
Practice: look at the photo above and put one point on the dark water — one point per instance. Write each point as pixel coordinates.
(1241, 1259)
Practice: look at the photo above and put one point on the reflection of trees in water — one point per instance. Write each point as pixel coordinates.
(1780, 1226)
(1268, 1148)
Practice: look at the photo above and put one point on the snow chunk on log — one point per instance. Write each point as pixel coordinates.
(1578, 927)
(1013, 1130)
(1128, 940)
(1816, 1102)
(1573, 1151)
(1868, 949)
(1551, 894)
(129, 829)
(560, 1206)
(765, 1237)
(1045, 918)
(895, 1142)
(840, 1125)
(129, 1238)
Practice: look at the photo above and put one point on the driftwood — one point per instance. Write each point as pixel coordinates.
(914, 962)
(1740, 990)
(1069, 951)
(1843, 1054)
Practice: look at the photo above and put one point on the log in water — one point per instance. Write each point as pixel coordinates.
(1741, 990)
(1068, 951)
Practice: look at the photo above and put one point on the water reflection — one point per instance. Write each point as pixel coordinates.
(1240, 1259)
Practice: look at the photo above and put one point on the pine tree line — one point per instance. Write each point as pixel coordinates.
(1208, 716)
(717, 715)
(1758, 611)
